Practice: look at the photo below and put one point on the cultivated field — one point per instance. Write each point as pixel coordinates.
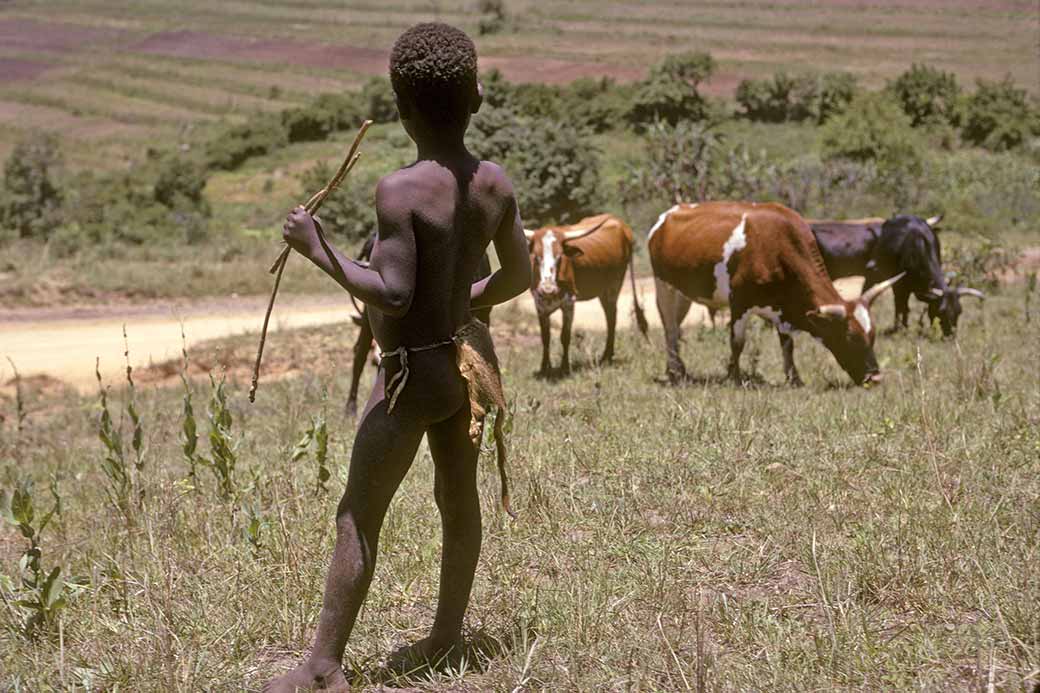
(707, 537)
(116, 74)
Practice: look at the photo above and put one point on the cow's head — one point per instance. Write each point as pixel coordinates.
(848, 331)
(944, 302)
(552, 249)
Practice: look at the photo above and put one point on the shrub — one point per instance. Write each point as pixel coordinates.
(377, 99)
(928, 95)
(328, 113)
(872, 129)
(32, 198)
(999, 116)
(670, 92)
(349, 213)
(801, 97)
(595, 104)
(554, 169)
(493, 17)
(263, 134)
(679, 159)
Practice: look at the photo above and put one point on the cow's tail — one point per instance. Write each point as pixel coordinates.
(644, 328)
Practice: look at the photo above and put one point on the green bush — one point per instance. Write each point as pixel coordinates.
(264, 133)
(928, 95)
(493, 17)
(328, 113)
(31, 200)
(795, 98)
(872, 129)
(671, 93)
(349, 213)
(555, 170)
(598, 105)
(377, 100)
(999, 116)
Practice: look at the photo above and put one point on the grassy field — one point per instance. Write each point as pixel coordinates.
(116, 75)
(705, 537)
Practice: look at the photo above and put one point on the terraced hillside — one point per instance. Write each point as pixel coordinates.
(113, 76)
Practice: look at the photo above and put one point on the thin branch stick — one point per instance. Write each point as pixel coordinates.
(312, 206)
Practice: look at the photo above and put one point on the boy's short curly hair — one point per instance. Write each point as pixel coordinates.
(434, 66)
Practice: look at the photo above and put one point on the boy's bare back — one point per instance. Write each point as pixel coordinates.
(439, 216)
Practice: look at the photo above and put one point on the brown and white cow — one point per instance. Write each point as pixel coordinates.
(757, 259)
(577, 263)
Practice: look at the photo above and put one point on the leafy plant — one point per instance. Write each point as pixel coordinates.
(670, 93)
(928, 95)
(114, 463)
(19, 397)
(32, 198)
(317, 437)
(39, 595)
(255, 528)
(222, 458)
(999, 116)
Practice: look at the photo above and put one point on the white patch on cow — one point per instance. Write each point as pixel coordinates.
(548, 259)
(661, 219)
(736, 242)
(863, 316)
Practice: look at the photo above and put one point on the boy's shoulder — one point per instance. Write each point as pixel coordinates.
(418, 178)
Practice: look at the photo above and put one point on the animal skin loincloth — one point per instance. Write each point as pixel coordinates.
(478, 364)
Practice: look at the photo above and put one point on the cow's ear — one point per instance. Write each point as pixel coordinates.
(826, 317)
(572, 250)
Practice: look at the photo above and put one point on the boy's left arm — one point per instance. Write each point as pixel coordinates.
(389, 283)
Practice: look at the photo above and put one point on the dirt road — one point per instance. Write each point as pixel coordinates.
(64, 343)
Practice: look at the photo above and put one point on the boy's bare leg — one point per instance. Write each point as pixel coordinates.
(383, 452)
(455, 489)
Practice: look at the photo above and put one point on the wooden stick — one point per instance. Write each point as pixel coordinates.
(312, 206)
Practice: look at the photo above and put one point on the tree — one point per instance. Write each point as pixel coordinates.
(999, 116)
(928, 95)
(32, 198)
(671, 93)
(555, 171)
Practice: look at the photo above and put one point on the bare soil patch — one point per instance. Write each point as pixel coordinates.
(51, 37)
(17, 70)
(202, 45)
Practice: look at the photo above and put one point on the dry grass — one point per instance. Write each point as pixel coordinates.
(707, 537)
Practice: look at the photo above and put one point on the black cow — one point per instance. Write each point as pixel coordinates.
(878, 249)
(363, 345)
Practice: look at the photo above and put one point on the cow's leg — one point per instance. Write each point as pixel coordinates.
(902, 306)
(610, 311)
(672, 306)
(545, 327)
(565, 336)
(737, 328)
(361, 349)
(787, 349)
(711, 316)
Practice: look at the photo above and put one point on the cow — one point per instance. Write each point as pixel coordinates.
(757, 259)
(577, 263)
(365, 338)
(878, 248)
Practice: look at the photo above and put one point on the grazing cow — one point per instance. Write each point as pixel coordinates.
(757, 259)
(578, 263)
(363, 344)
(877, 248)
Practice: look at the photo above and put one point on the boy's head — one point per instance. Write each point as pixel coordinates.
(433, 69)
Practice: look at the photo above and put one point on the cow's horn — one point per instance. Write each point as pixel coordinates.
(529, 234)
(937, 292)
(968, 291)
(878, 289)
(934, 221)
(581, 233)
(834, 310)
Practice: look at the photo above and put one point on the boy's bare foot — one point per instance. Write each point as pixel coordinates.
(310, 677)
(426, 653)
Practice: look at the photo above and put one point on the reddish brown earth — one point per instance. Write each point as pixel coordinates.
(202, 45)
(15, 70)
(52, 37)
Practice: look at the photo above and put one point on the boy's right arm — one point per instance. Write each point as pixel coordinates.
(514, 274)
